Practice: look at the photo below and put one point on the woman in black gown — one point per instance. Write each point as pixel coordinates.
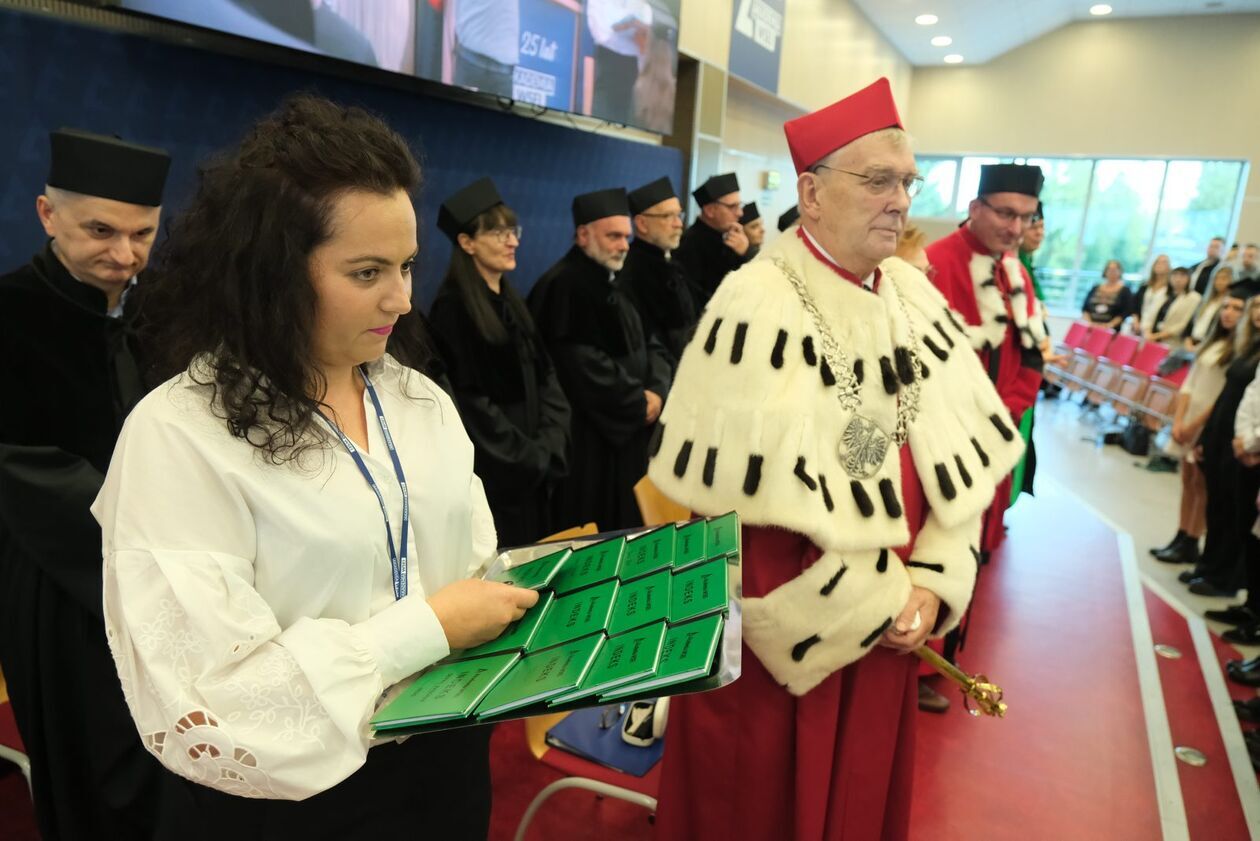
(503, 381)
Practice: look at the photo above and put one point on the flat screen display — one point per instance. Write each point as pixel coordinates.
(615, 60)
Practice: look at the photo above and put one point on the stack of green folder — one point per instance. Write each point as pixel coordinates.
(614, 619)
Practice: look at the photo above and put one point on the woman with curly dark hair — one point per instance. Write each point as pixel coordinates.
(255, 610)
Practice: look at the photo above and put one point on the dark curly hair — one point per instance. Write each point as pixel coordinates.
(231, 282)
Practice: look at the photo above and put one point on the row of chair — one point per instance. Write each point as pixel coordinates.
(1119, 370)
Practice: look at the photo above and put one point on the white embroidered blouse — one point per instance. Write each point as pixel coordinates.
(250, 607)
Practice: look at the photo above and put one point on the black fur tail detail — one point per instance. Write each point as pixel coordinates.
(684, 456)
(822, 485)
(874, 635)
(890, 376)
(710, 463)
(711, 342)
(984, 457)
(798, 650)
(889, 493)
(776, 355)
(803, 476)
(947, 484)
(862, 499)
(962, 470)
(752, 477)
(905, 369)
(1002, 428)
(835, 579)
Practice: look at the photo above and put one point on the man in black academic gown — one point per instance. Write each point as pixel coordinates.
(69, 377)
(789, 217)
(615, 376)
(754, 229)
(501, 377)
(715, 244)
(651, 278)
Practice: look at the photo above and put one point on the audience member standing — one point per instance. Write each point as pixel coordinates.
(1175, 313)
(651, 278)
(1231, 486)
(615, 375)
(70, 376)
(1201, 272)
(1151, 296)
(715, 244)
(1246, 616)
(1197, 330)
(1193, 408)
(1248, 268)
(503, 381)
(1109, 302)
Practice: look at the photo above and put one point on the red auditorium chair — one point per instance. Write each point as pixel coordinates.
(1073, 339)
(1136, 378)
(1106, 374)
(1085, 357)
(11, 747)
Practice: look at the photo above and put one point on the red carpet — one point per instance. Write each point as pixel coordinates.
(1070, 760)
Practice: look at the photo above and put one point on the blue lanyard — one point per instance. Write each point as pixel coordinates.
(397, 560)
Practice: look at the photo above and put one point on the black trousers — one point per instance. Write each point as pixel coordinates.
(1231, 512)
(431, 786)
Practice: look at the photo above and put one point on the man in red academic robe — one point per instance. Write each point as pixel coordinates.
(860, 464)
(979, 273)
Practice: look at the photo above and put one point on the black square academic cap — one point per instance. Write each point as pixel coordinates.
(716, 187)
(599, 205)
(1010, 178)
(751, 213)
(650, 195)
(465, 205)
(788, 218)
(106, 167)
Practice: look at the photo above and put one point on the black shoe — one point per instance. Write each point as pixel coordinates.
(1248, 710)
(1235, 614)
(1184, 550)
(1204, 587)
(1170, 545)
(1243, 635)
(1251, 678)
(1252, 665)
(1189, 575)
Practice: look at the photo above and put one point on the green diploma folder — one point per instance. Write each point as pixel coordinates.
(518, 637)
(589, 565)
(622, 659)
(698, 590)
(576, 615)
(648, 553)
(446, 692)
(686, 654)
(689, 544)
(640, 602)
(535, 575)
(542, 675)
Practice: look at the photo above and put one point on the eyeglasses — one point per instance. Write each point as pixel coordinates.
(678, 215)
(502, 234)
(1008, 215)
(882, 182)
(733, 206)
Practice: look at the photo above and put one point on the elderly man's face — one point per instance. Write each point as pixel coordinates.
(999, 219)
(661, 224)
(606, 241)
(1251, 256)
(855, 221)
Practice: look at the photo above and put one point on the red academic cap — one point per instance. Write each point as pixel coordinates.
(815, 136)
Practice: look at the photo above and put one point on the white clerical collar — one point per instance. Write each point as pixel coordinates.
(117, 311)
(868, 282)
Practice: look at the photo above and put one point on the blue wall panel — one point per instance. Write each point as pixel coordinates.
(192, 102)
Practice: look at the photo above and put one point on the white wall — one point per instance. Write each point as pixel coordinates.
(1150, 87)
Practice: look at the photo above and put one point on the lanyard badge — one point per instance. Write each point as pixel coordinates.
(397, 559)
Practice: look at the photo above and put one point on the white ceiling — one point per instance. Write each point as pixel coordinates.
(984, 29)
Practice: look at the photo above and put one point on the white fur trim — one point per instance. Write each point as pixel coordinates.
(944, 561)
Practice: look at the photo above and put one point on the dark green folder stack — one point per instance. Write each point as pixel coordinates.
(619, 618)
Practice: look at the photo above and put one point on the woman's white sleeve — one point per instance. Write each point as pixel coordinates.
(1247, 421)
(220, 692)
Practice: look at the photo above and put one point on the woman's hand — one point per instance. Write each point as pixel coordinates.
(1239, 449)
(900, 636)
(473, 611)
